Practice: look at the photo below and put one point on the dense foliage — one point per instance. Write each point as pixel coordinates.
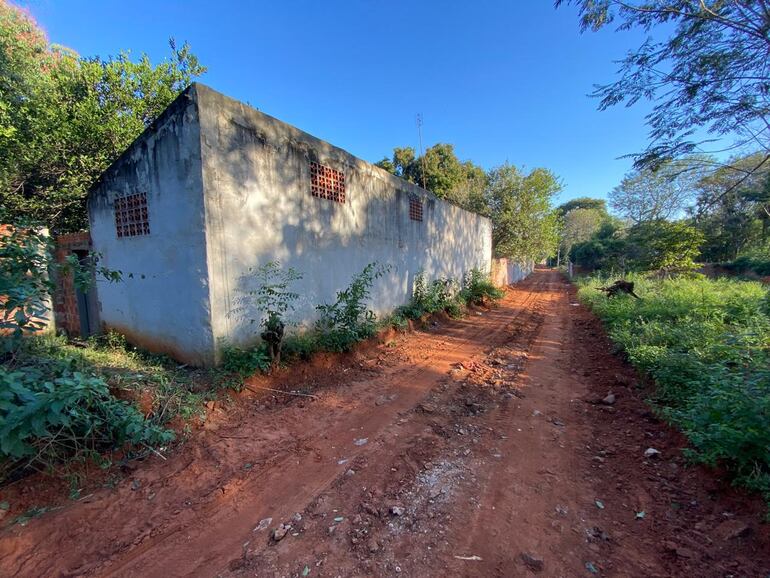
(706, 345)
(49, 419)
(27, 267)
(64, 118)
(666, 246)
(518, 203)
(58, 408)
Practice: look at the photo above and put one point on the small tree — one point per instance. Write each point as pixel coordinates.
(274, 300)
(525, 226)
(664, 246)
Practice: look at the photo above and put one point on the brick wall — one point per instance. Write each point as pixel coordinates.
(65, 304)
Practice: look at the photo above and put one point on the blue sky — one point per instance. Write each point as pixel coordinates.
(502, 81)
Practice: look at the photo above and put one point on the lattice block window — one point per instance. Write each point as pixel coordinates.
(327, 183)
(131, 218)
(415, 209)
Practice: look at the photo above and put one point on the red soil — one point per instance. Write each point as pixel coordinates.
(471, 448)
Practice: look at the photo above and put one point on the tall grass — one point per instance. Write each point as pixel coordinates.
(706, 345)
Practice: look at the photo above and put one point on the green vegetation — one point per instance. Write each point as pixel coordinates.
(478, 288)
(524, 224)
(349, 320)
(274, 301)
(63, 405)
(755, 261)
(706, 345)
(64, 118)
(26, 270)
(428, 298)
(702, 66)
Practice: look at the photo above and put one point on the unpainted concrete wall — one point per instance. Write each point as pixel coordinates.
(259, 208)
(162, 303)
(507, 272)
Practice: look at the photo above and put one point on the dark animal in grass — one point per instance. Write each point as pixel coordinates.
(619, 287)
(273, 336)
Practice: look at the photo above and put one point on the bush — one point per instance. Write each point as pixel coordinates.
(246, 361)
(26, 269)
(349, 320)
(706, 344)
(300, 346)
(48, 421)
(273, 300)
(759, 264)
(478, 288)
(427, 298)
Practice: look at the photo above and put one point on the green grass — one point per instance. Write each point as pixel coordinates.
(706, 345)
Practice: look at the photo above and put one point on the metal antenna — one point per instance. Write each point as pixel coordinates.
(422, 156)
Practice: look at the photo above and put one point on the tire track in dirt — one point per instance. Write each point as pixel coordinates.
(487, 454)
(417, 466)
(195, 540)
(284, 489)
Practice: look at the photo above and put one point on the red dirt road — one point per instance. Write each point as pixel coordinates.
(470, 448)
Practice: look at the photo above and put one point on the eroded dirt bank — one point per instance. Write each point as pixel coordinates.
(474, 448)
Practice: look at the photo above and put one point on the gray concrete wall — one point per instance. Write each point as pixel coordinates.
(507, 272)
(259, 208)
(162, 304)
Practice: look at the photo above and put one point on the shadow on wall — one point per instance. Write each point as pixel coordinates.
(260, 208)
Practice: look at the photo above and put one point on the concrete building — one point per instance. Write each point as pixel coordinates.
(214, 189)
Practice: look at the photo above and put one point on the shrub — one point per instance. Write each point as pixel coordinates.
(757, 262)
(348, 320)
(706, 344)
(300, 345)
(246, 361)
(26, 263)
(438, 295)
(47, 421)
(478, 287)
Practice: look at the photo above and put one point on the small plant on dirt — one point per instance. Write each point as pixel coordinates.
(300, 346)
(478, 288)
(246, 362)
(348, 320)
(427, 298)
(274, 299)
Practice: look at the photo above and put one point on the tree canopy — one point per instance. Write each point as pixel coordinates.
(518, 203)
(708, 70)
(64, 118)
(663, 192)
(524, 222)
(439, 171)
(582, 203)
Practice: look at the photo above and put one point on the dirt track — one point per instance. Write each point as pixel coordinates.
(471, 448)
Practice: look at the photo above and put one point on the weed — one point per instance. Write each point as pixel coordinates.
(706, 344)
(49, 420)
(478, 288)
(349, 320)
(300, 346)
(245, 362)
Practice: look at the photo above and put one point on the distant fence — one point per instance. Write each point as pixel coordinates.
(507, 272)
